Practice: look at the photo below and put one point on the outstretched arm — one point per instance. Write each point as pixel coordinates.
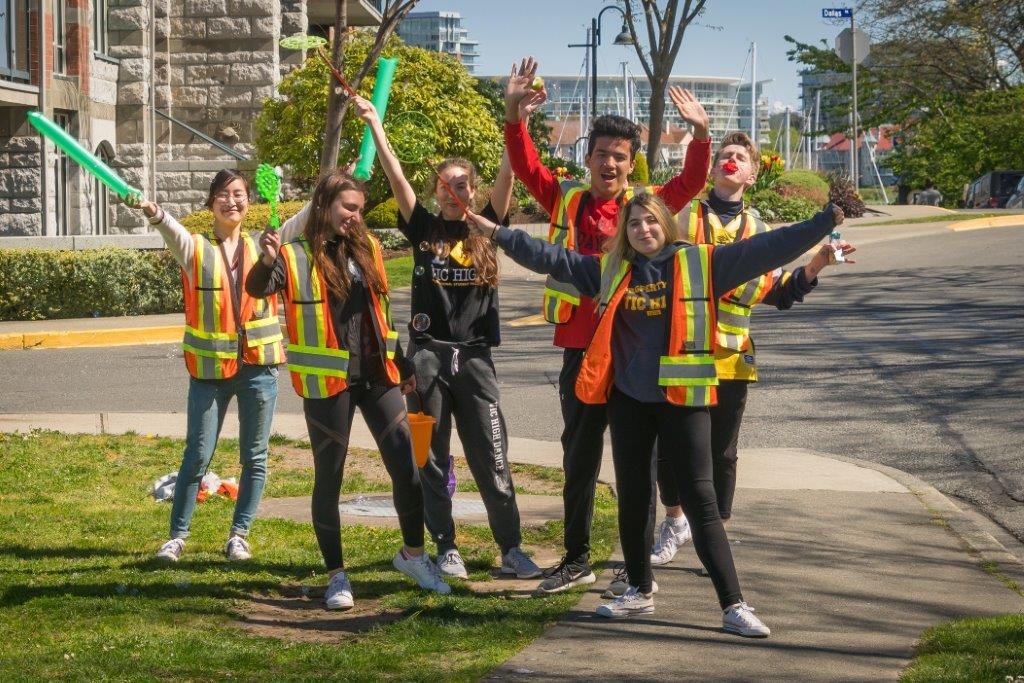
(733, 264)
(519, 97)
(791, 288)
(679, 191)
(565, 265)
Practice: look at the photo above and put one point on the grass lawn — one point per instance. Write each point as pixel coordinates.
(399, 271)
(82, 598)
(989, 649)
(948, 217)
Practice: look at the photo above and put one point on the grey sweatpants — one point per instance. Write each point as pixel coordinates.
(459, 382)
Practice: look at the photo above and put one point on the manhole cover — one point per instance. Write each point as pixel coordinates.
(364, 506)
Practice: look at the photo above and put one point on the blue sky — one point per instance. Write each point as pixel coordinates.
(507, 30)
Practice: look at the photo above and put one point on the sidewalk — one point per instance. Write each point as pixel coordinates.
(846, 561)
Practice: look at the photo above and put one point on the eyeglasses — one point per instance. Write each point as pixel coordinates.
(224, 197)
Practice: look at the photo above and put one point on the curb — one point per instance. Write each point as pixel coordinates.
(975, 540)
(67, 339)
(983, 223)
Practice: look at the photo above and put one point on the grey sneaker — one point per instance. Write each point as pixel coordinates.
(339, 592)
(620, 582)
(740, 619)
(237, 549)
(451, 564)
(423, 571)
(515, 561)
(171, 550)
(629, 604)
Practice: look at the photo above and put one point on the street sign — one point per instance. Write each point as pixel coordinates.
(836, 13)
(852, 46)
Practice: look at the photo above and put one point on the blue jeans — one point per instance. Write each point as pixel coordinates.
(255, 387)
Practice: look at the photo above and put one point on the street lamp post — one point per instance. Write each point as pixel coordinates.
(593, 41)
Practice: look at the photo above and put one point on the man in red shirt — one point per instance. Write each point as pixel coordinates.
(584, 215)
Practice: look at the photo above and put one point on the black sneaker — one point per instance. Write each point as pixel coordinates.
(565, 575)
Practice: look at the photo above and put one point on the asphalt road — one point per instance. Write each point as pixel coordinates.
(912, 358)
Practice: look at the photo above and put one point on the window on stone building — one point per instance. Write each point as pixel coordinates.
(101, 195)
(63, 168)
(14, 40)
(101, 43)
(60, 37)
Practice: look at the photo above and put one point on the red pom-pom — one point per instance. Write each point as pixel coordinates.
(730, 167)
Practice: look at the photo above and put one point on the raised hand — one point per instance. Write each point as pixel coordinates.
(837, 215)
(532, 102)
(270, 243)
(520, 86)
(690, 110)
(408, 385)
(478, 225)
(134, 201)
(365, 110)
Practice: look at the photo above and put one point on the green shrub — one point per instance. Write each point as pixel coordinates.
(641, 174)
(391, 239)
(774, 208)
(843, 194)
(806, 184)
(37, 284)
(384, 216)
(256, 219)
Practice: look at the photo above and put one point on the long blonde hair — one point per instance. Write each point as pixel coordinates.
(618, 248)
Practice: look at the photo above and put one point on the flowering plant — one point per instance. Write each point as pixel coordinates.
(768, 174)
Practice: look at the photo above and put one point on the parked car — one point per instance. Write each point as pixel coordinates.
(1016, 200)
(991, 190)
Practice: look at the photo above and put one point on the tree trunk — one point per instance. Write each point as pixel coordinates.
(656, 121)
(337, 98)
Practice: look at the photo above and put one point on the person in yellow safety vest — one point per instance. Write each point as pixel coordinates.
(343, 353)
(651, 362)
(723, 219)
(232, 348)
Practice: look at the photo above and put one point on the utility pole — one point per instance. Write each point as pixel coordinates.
(817, 128)
(753, 95)
(785, 131)
(587, 92)
(856, 169)
(627, 90)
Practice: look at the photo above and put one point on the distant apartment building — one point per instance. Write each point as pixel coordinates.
(114, 74)
(726, 100)
(813, 82)
(440, 32)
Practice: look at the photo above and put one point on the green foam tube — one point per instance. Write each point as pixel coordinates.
(83, 157)
(381, 93)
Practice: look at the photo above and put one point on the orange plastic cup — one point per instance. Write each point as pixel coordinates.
(422, 426)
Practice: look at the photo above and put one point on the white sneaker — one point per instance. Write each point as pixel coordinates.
(515, 561)
(740, 619)
(670, 538)
(620, 582)
(423, 571)
(171, 550)
(451, 564)
(237, 549)
(339, 592)
(628, 604)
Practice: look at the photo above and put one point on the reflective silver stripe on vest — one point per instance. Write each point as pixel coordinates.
(203, 346)
(318, 361)
(687, 370)
(563, 288)
(695, 274)
(733, 319)
(209, 285)
(263, 331)
(306, 296)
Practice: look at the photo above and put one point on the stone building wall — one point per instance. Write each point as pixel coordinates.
(20, 184)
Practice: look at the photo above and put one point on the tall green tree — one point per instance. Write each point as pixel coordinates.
(289, 130)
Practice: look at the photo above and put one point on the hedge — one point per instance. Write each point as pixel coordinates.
(384, 216)
(774, 208)
(806, 184)
(256, 220)
(38, 284)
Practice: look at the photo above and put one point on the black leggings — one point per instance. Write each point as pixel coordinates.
(329, 421)
(683, 438)
(726, 418)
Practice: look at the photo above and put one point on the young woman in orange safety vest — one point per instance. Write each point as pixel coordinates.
(232, 347)
(343, 353)
(652, 362)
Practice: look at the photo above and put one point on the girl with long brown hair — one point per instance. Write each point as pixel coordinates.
(343, 353)
(454, 325)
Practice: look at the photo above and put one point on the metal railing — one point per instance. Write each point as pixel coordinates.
(203, 136)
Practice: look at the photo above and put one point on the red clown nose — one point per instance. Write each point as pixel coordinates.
(730, 167)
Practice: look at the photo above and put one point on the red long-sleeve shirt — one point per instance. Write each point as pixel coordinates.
(600, 217)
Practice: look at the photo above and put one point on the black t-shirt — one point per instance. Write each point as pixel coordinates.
(447, 304)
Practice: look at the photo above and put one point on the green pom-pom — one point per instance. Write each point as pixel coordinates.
(268, 184)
